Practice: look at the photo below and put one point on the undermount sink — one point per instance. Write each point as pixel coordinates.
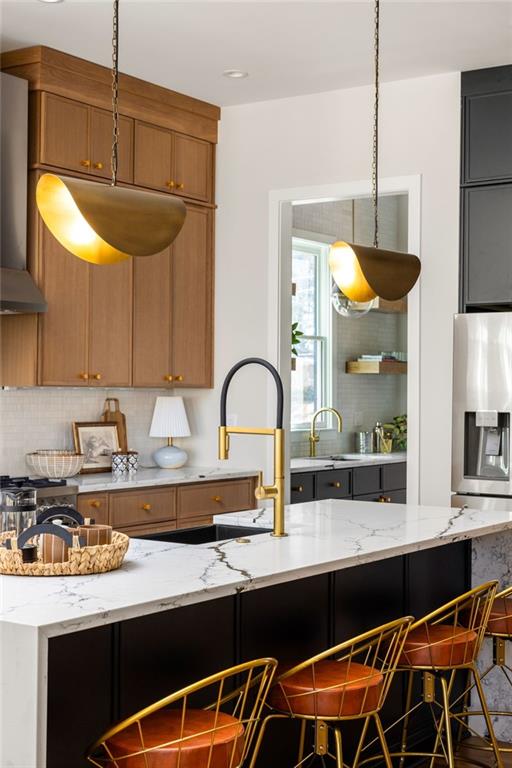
(205, 534)
(337, 457)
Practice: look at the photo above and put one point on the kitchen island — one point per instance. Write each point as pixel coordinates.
(79, 652)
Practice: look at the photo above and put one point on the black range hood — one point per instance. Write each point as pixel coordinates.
(18, 292)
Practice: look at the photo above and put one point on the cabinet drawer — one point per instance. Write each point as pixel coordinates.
(196, 522)
(333, 484)
(140, 530)
(386, 497)
(302, 487)
(366, 480)
(94, 505)
(129, 508)
(394, 476)
(213, 499)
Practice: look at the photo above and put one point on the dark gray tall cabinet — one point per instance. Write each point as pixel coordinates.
(486, 190)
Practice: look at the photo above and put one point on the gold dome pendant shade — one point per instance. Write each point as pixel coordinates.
(105, 224)
(362, 273)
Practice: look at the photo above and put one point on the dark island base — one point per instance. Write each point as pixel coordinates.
(98, 676)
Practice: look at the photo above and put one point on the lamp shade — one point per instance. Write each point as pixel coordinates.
(169, 418)
(104, 224)
(362, 273)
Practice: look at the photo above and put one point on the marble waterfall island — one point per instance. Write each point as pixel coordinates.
(175, 612)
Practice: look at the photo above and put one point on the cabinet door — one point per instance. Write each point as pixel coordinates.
(153, 153)
(101, 145)
(302, 487)
(151, 320)
(333, 484)
(110, 324)
(192, 288)
(488, 245)
(64, 327)
(193, 160)
(488, 137)
(64, 133)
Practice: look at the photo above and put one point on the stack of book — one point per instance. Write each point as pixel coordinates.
(384, 356)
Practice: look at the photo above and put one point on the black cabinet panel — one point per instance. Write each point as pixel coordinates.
(366, 480)
(78, 713)
(333, 484)
(394, 476)
(488, 137)
(435, 576)
(487, 244)
(390, 497)
(302, 487)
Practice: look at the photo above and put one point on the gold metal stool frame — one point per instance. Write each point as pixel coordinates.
(245, 704)
(468, 612)
(499, 640)
(378, 649)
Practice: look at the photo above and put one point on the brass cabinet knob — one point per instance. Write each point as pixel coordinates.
(85, 163)
(168, 377)
(84, 376)
(218, 499)
(179, 378)
(95, 503)
(146, 507)
(298, 489)
(99, 166)
(170, 184)
(385, 499)
(180, 186)
(336, 484)
(97, 376)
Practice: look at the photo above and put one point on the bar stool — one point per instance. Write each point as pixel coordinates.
(437, 646)
(347, 682)
(499, 628)
(173, 734)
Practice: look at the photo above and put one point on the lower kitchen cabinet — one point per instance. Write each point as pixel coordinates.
(380, 482)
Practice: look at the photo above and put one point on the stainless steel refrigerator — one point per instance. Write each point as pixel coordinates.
(482, 405)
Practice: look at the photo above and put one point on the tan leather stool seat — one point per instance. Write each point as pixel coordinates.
(165, 725)
(438, 645)
(500, 619)
(329, 689)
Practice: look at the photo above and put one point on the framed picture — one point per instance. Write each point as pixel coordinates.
(96, 440)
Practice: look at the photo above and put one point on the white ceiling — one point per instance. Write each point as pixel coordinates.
(289, 48)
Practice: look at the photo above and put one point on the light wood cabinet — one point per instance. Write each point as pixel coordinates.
(206, 500)
(172, 162)
(144, 507)
(95, 506)
(85, 337)
(76, 137)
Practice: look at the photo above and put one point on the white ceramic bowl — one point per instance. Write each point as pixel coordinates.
(54, 463)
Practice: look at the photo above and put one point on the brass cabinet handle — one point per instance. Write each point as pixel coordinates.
(298, 488)
(95, 503)
(83, 376)
(218, 499)
(170, 184)
(85, 163)
(96, 376)
(179, 378)
(99, 166)
(146, 507)
(168, 377)
(180, 186)
(336, 484)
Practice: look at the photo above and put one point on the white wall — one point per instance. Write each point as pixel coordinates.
(326, 138)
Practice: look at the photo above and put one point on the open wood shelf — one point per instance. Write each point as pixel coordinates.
(375, 367)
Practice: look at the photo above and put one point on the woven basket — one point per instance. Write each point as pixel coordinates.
(82, 560)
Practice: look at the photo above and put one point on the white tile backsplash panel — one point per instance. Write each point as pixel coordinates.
(31, 419)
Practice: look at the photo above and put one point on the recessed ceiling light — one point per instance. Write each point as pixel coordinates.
(235, 73)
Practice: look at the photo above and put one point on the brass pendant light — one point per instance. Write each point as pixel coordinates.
(362, 272)
(101, 223)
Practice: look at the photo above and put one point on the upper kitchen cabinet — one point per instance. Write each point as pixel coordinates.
(72, 136)
(173, 309)
(172, 162)
(487, 125)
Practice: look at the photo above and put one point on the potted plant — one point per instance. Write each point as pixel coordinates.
(296, 339)
(396, 433)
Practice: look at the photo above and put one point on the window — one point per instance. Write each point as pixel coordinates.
(311, 309)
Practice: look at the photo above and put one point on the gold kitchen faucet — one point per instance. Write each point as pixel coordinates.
(313, 437)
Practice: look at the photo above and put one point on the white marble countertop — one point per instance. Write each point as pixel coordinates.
(350, 461)
(105, 481)
(323, 536)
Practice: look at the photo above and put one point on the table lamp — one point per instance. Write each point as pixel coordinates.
(169, 420)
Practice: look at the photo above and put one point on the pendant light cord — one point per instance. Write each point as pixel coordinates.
(375, 159)
(115, 93)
